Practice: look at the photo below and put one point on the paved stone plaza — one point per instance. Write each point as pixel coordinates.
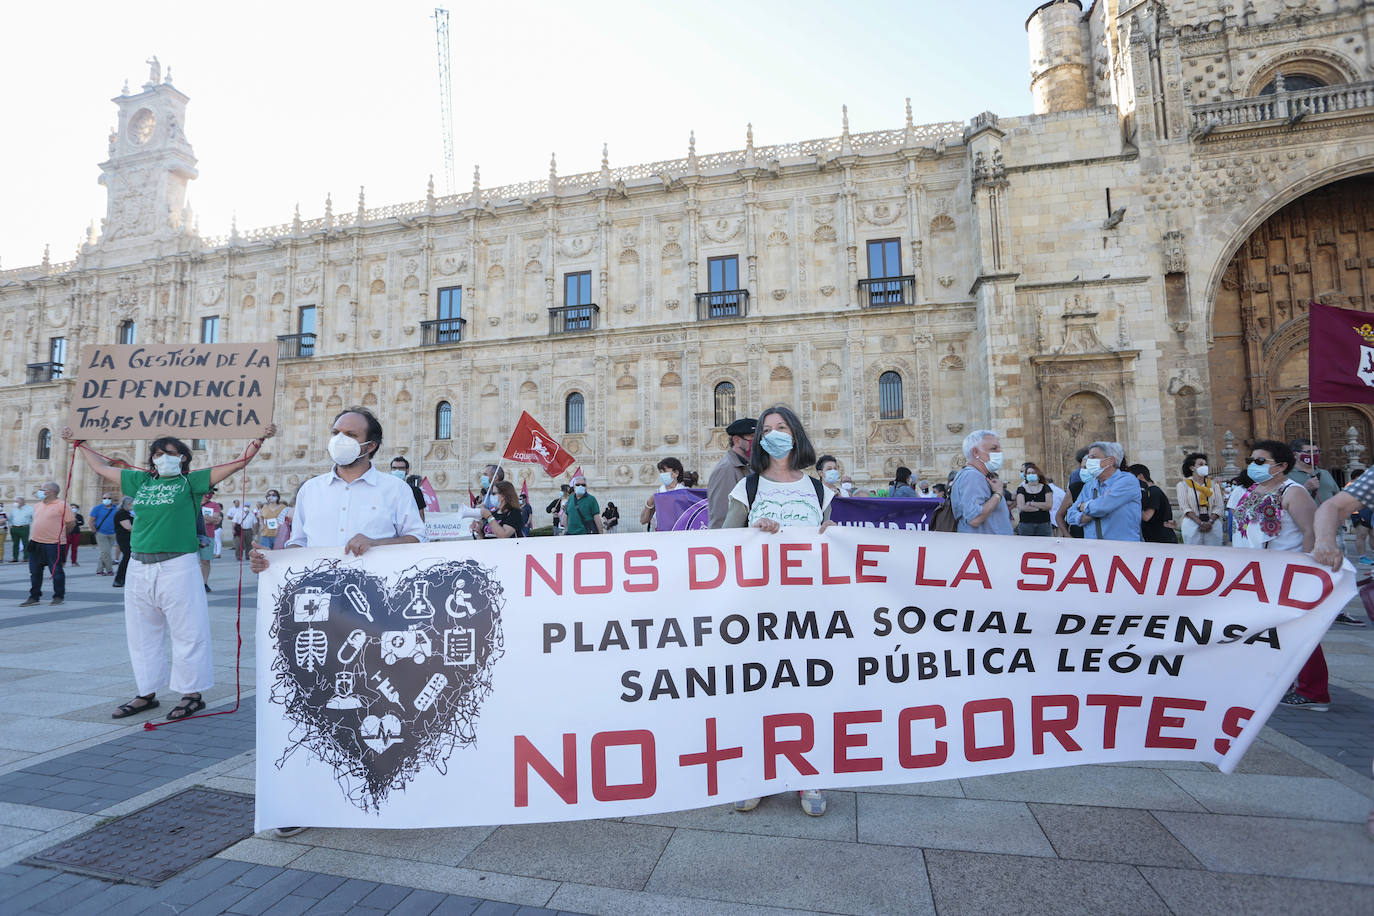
(1284, 835)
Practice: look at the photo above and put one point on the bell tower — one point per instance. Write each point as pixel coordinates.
(150, 161)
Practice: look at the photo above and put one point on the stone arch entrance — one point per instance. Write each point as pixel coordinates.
(1082, 417)
(1319, 247)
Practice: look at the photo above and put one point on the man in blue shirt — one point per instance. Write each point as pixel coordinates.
(102, 522)
(1108, 506)
(978, 499)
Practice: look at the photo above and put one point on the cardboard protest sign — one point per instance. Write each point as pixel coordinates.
(194, 391)
(547, 679)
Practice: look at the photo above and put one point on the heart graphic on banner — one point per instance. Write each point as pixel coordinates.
(381, 681)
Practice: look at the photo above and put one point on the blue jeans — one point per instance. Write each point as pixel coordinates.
(42, 558)
(267, 541)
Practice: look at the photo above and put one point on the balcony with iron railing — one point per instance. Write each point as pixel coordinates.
(38, 373)
(1282, 105)
(879, 292)
(442, 331)
(295, 346)
(573, 319)
(722, 304)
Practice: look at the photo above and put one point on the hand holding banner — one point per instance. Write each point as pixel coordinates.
(531, 444)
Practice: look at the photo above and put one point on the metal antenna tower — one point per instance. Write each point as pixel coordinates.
(445, 94)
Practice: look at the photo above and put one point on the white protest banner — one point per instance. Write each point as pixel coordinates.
(447, 526)
(550, 679)
(195, 391)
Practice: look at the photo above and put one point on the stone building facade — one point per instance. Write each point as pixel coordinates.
(1131, 261)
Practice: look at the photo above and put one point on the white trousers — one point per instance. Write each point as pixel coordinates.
(1194, 535)
(219, 541)
(168, 597)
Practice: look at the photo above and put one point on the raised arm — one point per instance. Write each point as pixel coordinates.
(97, 463)
(220, 472)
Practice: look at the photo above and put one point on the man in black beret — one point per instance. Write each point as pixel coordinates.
(731, 469)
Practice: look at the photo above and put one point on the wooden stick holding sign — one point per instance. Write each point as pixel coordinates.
(193, 391)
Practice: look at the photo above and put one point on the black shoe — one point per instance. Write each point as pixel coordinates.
(57, 601)
(207, 588)
(29, 603)
(118, 584)
(1348, 620)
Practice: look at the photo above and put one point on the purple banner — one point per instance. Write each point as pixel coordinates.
(885, 512)
(683, 509)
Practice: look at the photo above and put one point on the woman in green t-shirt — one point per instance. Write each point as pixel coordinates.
(163, 591)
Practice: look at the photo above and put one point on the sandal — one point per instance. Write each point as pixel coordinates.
(129, 709)
(189, 705)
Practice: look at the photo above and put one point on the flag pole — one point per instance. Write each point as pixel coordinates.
(1311, 429)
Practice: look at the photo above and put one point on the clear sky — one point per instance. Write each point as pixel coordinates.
(291, 100)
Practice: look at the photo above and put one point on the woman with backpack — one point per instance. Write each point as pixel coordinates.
(778, 493)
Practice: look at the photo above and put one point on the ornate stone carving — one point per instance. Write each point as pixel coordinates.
(721, 230)
(1175, 254)
(882, 214)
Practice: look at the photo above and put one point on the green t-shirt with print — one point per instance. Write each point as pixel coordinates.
(165, 510)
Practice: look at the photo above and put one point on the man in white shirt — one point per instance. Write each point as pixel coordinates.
(353, 506)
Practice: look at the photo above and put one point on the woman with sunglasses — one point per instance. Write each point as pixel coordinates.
(1276, 514)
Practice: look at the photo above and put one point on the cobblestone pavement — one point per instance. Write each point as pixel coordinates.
(1285, 834)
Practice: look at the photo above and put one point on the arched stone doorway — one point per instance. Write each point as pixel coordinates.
(1082, 417)
(1319, 248)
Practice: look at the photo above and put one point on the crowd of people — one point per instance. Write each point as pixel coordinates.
(769, 477)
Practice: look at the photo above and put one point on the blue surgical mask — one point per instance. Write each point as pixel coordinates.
(1086, 475)
(832, 476)
(486, 481)
(580, 490)
(666, 478)
(1032, 478)
(776, 443)
(1093, 466)
(1259, 473)
(397, 472)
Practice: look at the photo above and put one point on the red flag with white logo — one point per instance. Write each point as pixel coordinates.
(531, 444)
(431, 498)
(1340, 357)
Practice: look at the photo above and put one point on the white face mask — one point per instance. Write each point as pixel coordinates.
(832, 476)
(167, 465)
(1093, 466)
(344, 450)
(846, 486)
(1201, 470)
(993, 462)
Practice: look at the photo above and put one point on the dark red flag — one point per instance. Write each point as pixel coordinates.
(431, 498)
(531, 444)
(1340, 356)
